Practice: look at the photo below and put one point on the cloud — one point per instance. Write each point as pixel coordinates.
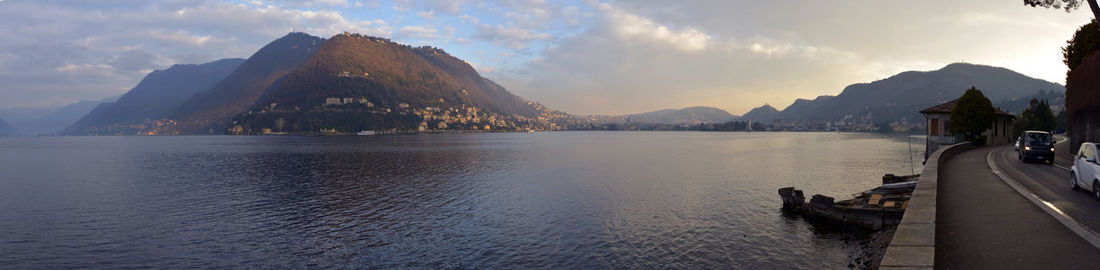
(627, 63)
(446, 6)
(636, 56)
(418, 32)
(510, 37)
(630, 26)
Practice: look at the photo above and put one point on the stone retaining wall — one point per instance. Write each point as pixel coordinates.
(914, 243)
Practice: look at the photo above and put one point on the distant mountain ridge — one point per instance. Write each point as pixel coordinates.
(6, 130)
(765, 113)
(901, 96)
(157, 95)
(50, 120)
(690, 115)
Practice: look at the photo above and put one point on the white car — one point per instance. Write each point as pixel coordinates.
(1086, 170)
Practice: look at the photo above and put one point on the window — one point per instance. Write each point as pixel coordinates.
(934, 127)
(1041, 139)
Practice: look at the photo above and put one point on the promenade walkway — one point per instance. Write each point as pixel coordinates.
(982, 223)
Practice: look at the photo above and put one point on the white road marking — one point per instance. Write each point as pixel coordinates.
(1084, 232)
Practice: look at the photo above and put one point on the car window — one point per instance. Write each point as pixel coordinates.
(1090, 152)
(1038, 138)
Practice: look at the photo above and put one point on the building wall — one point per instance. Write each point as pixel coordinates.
(1001, 131)
(939, 131)
(1083, 102)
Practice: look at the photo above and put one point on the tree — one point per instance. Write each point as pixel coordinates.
(1037, 116)
(972, 115)
(1068, 5)
(1084, 42)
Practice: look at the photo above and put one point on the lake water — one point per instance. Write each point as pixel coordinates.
(504, 200)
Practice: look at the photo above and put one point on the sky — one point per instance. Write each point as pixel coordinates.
(582, 57)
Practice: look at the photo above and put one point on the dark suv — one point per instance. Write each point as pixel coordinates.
(1037, 145)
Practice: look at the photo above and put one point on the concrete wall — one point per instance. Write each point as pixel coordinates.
(914, 243)
(1083, 102)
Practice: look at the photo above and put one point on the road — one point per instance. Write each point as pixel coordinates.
(984, 222)
(1051, 184)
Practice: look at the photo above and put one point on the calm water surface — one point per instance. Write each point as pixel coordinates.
(517, 200)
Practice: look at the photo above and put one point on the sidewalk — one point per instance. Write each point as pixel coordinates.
(1062, 155)
(982, 223)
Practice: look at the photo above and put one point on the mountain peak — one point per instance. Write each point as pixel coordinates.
(689, 115)
(763, 113)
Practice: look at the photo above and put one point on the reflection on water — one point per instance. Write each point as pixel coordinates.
(557, 199)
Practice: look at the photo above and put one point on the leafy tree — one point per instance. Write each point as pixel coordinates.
(1037, 116)
(1068, 5)
(972, 115)
(1084, 42)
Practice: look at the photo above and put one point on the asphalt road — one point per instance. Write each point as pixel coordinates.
(983, 222)
(1051, 184)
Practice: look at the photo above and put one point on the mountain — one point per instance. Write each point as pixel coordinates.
(157, 95)
(901, 96)
(388, 73)
(50, 120)
(211, 110)
(6, 130)
(356, 82)
(692, 115)
(762, 114)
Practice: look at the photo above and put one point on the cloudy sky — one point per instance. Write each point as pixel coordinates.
(585, 56)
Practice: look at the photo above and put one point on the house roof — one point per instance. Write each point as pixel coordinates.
(946, 107)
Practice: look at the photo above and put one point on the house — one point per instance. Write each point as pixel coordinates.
(332, 101)
(938, 121)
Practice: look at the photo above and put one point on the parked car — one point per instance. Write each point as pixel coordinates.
(1086, 171)
(1018, 140)
(1037, 145)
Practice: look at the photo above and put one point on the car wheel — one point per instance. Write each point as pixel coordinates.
(1096, 190)
(1073, 181)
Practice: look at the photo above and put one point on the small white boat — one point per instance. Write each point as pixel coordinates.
(366, 133)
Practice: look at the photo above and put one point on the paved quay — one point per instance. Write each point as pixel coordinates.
(982, 223)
